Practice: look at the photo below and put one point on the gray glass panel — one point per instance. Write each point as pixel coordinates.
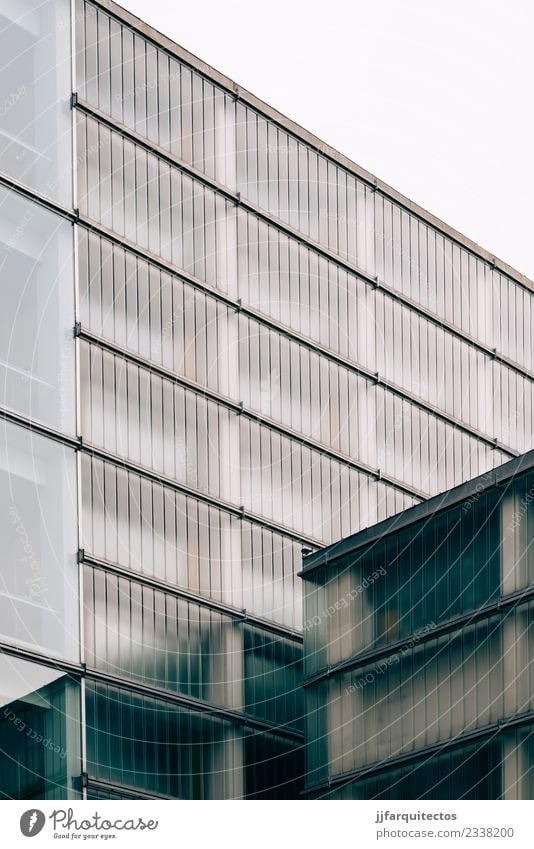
(38, 573)
(37, 312)
(35, 81)
(39, 732)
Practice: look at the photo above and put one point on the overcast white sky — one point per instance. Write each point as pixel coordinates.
(435, 98)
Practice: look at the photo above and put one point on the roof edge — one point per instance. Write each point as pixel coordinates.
(426, 509)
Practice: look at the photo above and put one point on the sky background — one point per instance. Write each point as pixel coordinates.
(435, 98)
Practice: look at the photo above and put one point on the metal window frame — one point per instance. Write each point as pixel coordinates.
(226, 506)
(239, 614)
(508, 602)
(237, 199)
(242, 720)
(283, 330)
(240, 410)
(501, 476)
(240, 94)
(461, 739)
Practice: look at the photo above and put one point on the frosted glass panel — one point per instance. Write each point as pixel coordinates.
(38, 569)
(37, 312)
(35, 86)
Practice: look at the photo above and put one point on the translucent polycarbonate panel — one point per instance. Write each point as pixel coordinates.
(466, 772)
(429, 573)
(155, 205)
(429, 691)
(157, 315)
(160, 747)
(232, 250)
(152, 529)
(175, 431)
(425, 694)
(179, 110)
(272, 677)
(35, 80)
(39, 732)
(270, 564)
(190, 332)
(38, 572)
(452, 375)
(517, 569)
(518, 763)
(138, 632)
(157, 96)
(37, 315)
(161, 425)
(153, 745)
(316, 734)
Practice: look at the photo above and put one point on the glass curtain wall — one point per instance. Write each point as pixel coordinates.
(420, 639)
(40, 729)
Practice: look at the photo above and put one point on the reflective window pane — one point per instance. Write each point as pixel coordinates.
(39, 732)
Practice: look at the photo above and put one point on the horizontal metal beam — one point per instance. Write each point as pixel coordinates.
(240, 410)
(500, 476)
(373, 655)
(226, 506)
(36, 197)
(207, 708)
(236, 198)
(299, 338)
(68, 667)
(241, 615)
(38, 428)
(123, 789)
(464, 738)
(313, 142)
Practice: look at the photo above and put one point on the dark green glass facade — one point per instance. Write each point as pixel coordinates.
(418, 649)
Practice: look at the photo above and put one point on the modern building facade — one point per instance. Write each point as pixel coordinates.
(221, 341)
(418, 647)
